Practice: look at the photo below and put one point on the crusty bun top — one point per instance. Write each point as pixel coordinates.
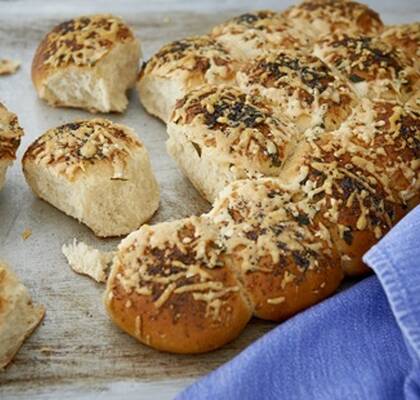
(80, 42)
(265, 29)
(300, 85)
(375, 68)
(237, 126)
(382, 139)
(71, 148)
(317, 17)
(405, 37)
(199, 54)
(10, 134)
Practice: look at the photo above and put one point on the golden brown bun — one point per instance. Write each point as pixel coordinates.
(323, 17)
(88, 62)
(276, 247)
(95, 171)
(171, 288)
(232, 135)
(179, 67)
(252, 34)
(374, 68)
(301, 86)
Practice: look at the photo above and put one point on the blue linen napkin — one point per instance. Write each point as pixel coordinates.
(363, 343)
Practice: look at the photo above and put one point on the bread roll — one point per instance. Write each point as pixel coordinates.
(283, 257)
(218, 134)
(323, 17)
(87, 62)
(252, 34)
(179, 67)
(10, 135)
(374, 68)
(18, 315)
(301, 86)
(95, 171)
(170, 287)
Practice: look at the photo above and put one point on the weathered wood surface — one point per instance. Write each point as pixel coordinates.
(77, 352)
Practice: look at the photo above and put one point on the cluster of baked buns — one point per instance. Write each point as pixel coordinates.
(303, 130)
(301, 127)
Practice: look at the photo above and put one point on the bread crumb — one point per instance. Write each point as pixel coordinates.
(26, 234)
(86, 260)
(46, 350)
(8, 67)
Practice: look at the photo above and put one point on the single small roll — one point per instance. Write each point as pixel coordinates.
(252, 34)
(10, 135)
(95, 171)
(218, 134)
(179, 67)
(88, 62)
(323, 17)
(302, 86)
(170, 287)
(374, 68)
(285, 259)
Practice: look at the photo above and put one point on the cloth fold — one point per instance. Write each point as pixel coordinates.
(363, 343)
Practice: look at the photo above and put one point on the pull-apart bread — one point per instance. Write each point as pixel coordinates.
(311, 155)
(18, 315)
(10, 135)
(179, 67)
(95, 171)
(87, 62)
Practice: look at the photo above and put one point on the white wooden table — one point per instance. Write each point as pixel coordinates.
(77, 353)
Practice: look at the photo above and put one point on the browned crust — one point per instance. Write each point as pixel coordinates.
(367, 59)
(405, 37)
(227, 116)
(305, 78)
(339, 15)
(170, 296)
(73, 147)
(79, 42)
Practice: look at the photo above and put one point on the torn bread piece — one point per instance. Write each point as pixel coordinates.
(8, 67)
(95, 171)
(86, 260)
(18, 315)
(10, 135)
(87, 62)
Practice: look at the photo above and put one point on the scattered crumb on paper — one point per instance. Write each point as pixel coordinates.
(8, 67)
(26, 234)
(87, 260)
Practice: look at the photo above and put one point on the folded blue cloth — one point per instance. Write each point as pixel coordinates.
(363, 343)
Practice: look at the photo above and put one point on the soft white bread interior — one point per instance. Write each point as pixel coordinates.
(180, 66)
(95, 171)
(87, 62)
(18, 315)
(10, 135)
